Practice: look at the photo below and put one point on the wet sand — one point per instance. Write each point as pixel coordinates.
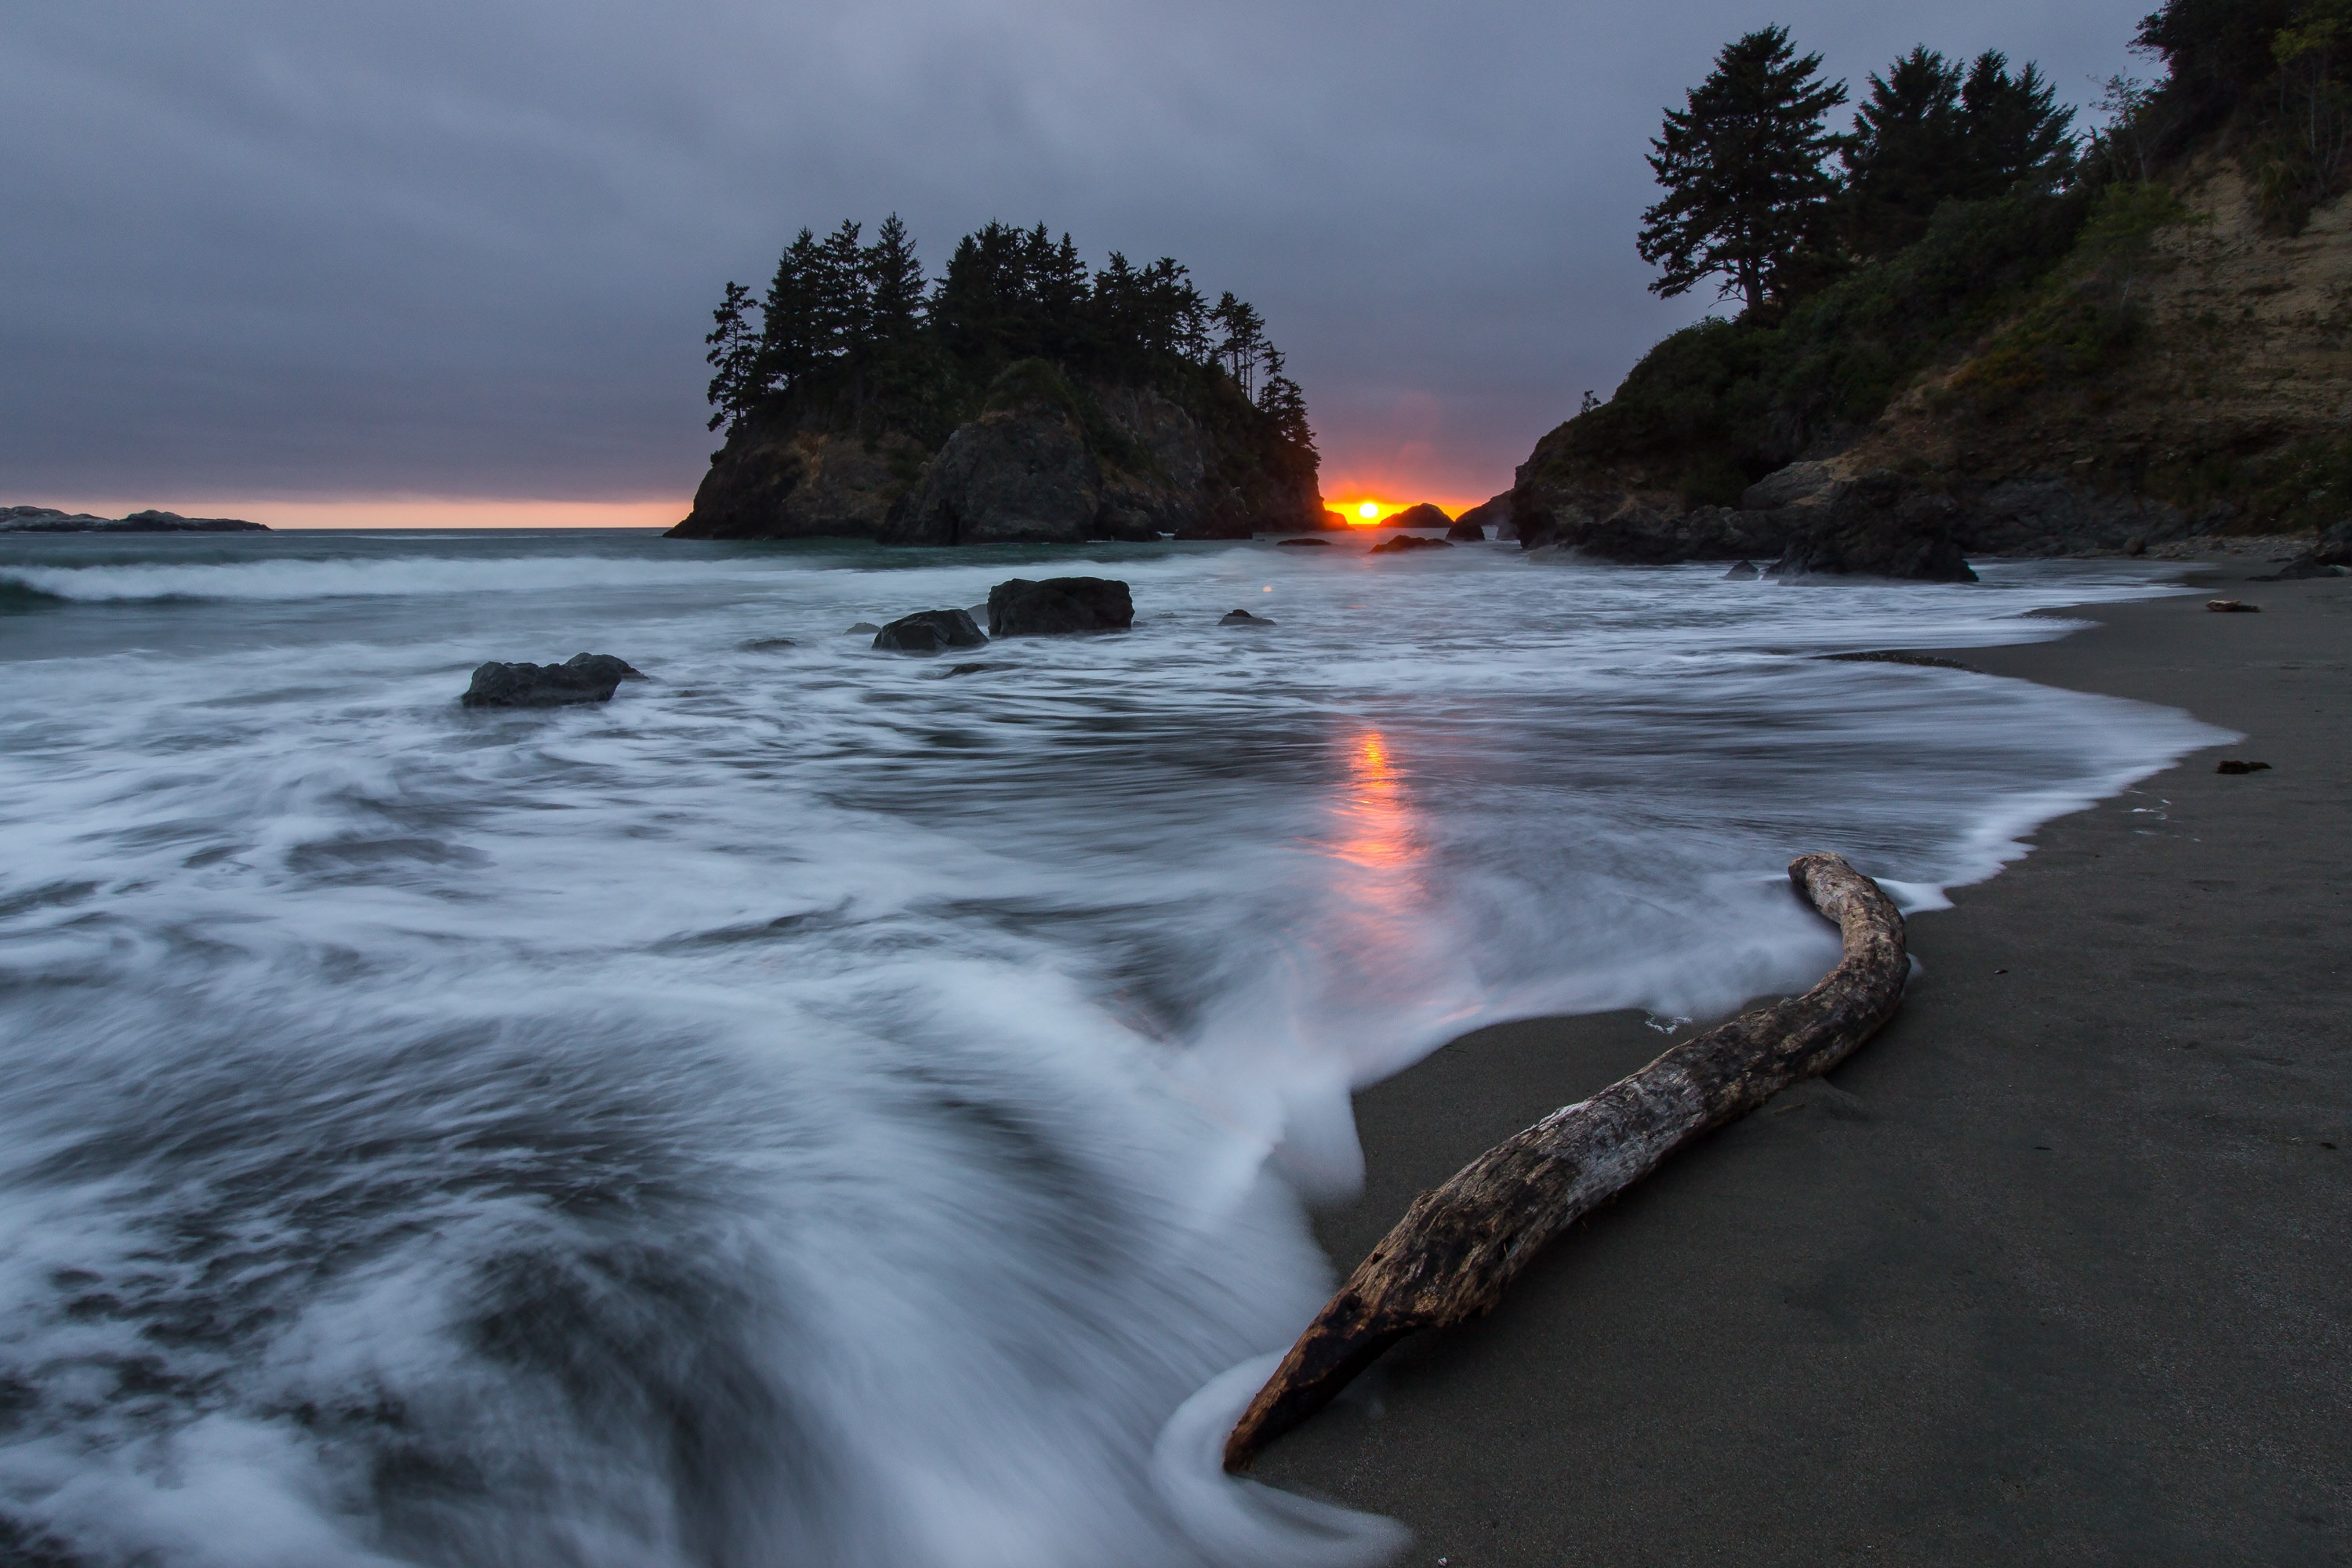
(2058, 1268)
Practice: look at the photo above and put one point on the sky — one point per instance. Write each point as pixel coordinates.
(378, 264)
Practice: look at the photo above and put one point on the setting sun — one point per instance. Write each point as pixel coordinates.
(1370, 511)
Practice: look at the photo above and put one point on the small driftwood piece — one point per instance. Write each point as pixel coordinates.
(1459, 1244)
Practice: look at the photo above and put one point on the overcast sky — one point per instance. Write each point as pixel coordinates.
(279, 249)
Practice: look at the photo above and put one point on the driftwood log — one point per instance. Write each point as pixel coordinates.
(1459, 1244)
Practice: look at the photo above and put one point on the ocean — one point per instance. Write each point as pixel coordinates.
(823, 1108)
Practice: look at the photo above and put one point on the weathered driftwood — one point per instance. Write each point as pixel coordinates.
(1459, 1245)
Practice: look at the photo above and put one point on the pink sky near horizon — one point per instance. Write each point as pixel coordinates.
(462, 511)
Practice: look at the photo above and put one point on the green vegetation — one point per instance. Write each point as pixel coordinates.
(851, 336)
(1964, 204)
(1715, 407)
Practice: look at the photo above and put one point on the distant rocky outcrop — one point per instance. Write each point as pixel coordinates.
(1059, 606)
(1404, 541)
(583, 677)
(929, 631)
(1421, 514)
(1466, 533)
(1324, 544)
(49, 520)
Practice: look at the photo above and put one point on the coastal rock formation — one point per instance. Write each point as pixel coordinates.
(1404, 541)
(1323, 543)
(1018, 475)
(583, 677)
(1640, 529)
(1059, 606)
(48, 519)
(1044, 458)
(1421, 514)
(929, 631)
(1243, 618)
(1466, 533)
(1880, 525)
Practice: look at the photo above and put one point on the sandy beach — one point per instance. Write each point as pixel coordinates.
(2055, 1269)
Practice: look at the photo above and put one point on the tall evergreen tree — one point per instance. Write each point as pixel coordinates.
(1744, 166)
(2016, 133)
(793, 341)
(734, 358)
(1907, 155)
(1283, 399)
(844, 304)
(894, 282)
(1243, 346)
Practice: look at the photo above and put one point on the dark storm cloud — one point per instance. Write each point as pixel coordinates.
(258, 247)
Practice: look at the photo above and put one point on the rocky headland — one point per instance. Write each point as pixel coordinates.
(2155, 349)
(49, 520)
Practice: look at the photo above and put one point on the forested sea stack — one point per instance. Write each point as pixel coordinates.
(1022, 398)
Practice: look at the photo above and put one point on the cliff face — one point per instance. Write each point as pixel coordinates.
(2223, 409)
(2177, 368)
(1047, 460)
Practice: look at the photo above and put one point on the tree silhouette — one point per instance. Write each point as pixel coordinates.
(1907, 155)
(734, 358)
(1744, 166)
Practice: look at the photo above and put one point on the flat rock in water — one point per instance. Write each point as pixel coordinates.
(1059, 606)
(2237, 766)
(929, 631)
(1404, 541)
(583, 677)
(1311, 543)
(1243, 618)
(768, 645)
(2232, 607)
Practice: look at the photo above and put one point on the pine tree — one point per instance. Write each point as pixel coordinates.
(1744, 166)
(791, 343)
(1907, 154)
(2016, 134)
(1282, 400)
(844, 304)
(1242, 347)
(734, 358)
(894, 283)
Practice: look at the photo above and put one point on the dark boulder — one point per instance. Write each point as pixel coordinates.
(768, 645)
(1059, 606)
(1404, 541)
(583, 677)
(1466, 533)
(1243, 618)
(2331, 557)
(1744, 571)
(1420, 515)
(1318, 543)
(929, 631)
(1880, 525)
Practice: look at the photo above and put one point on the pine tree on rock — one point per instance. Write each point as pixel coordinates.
(734, 358)
(1744, 168)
